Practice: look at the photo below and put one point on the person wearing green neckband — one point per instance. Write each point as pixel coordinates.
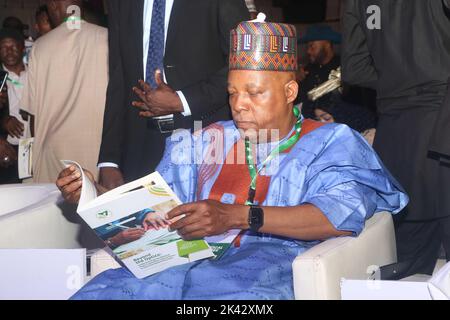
(12, 122)
(66, 90)
(286, 182)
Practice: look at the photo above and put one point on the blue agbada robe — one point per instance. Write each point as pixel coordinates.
(332, 167)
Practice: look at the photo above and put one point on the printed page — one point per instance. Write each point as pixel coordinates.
(25, 158)
(147, 182)
(220, 244)
(131, 221)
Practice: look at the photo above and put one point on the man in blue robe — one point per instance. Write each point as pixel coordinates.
(288, 183)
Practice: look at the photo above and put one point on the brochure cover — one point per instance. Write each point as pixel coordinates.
(131, 221)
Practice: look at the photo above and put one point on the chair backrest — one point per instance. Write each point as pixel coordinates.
(36, 212)
(318, 272)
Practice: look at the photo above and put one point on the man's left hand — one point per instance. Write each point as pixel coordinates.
(157, 102)
(205, 218)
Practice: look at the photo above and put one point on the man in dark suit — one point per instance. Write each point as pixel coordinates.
(401, 50)
(180, 48)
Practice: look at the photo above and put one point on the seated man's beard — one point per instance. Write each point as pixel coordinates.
(320, 58)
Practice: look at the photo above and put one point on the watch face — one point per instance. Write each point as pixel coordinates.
(256, 218)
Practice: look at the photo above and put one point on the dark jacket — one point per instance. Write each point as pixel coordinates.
(407, 60)
(195, 62)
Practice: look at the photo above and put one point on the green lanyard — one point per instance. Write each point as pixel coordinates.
(15, 82)
(252, 168)
(72, 18)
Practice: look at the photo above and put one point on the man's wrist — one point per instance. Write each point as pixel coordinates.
(240, 218)
(177, 103)
(186, 109)
(107, 165)
(5, 121)
(255, 218)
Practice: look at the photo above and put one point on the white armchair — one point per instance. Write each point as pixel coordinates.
(32, 216)
(35, 212)
(318, 271)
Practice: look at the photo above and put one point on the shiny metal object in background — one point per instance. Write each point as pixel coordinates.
(332, 84)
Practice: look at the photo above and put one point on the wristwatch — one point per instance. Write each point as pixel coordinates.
(255, 218)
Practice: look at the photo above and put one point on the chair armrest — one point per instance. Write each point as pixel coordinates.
(318, 272)
(101, 261)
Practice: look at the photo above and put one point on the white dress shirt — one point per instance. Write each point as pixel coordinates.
(148, 10)
(14, 96)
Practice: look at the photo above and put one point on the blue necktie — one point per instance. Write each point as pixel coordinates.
(156, 44)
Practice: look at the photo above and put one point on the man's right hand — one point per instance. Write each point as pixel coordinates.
(14, 127)
(69, 183)
(111, 177)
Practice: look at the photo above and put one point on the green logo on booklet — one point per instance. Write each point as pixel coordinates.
(185, 248)
(219, 249)
(103, 215)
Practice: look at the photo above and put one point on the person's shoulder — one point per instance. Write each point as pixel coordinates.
(44, 46)
(340, 130)
(310, 125)
(49, 39)
(96, 27)
(95, 33)
(335, 144)
(330, 134)
(220, 129)
(94, 30)
(343, 139)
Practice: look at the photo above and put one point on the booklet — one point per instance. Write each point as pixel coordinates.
(125, 219)
(25, 158)
(220, 244)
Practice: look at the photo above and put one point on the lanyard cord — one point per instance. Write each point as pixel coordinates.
(72, 18)
(15, 82)
(252, 168)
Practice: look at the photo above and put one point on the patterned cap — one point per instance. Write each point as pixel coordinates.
(263, 46)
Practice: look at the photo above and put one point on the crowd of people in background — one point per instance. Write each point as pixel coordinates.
(16, 123)
(15, 48)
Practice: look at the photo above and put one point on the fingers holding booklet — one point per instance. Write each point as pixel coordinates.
(203, 219)
(132, 220)
(70, 182)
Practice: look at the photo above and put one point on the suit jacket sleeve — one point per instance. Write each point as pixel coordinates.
(4, 112)
(212, 91)
(357, 63)
(446, 7)
(113, 122)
